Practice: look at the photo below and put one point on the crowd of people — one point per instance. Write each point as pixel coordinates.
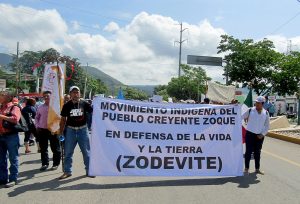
(74, 126)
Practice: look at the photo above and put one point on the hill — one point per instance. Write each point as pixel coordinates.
(5, 59)
(109, 81)
(149, 89)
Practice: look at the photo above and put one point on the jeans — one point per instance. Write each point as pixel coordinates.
(253, 144)
(9, 146)
(45, 136)
(73, 137)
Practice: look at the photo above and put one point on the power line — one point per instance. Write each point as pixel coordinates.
(285, 23)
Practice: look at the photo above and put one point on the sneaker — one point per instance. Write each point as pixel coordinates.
(44, 167)
(54, 167)
(257, 171)
(10, 184)
(64, 176)
(246, 172)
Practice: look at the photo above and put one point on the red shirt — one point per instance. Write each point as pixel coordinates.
(15, 112)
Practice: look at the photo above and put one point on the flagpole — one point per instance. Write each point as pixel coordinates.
(60, 94)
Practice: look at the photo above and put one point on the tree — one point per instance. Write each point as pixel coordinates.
(161, 90)
(29, 58)
(96, 86)
(286, 77)
(249, 62)
(134, 94)
(190, 85)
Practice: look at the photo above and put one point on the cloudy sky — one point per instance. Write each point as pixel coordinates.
(133, 40)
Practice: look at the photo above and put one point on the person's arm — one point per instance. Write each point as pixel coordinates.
(10, 119)
(88, 107)
(33, 112)
(62, 125)
(266, 125)
(63, 119)
(15, 116)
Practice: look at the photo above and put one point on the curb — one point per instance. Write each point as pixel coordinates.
(284, 137)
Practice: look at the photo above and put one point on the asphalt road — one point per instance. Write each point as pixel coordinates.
(280, 184)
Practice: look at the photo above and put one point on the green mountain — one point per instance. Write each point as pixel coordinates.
(113, 84)
(149, 89)
(109, 81)
(5, 59)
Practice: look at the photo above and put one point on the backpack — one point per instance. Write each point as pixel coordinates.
(21, 126)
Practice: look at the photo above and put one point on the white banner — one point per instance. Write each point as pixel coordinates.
(54, 81)
(151, 139)
(220, 93)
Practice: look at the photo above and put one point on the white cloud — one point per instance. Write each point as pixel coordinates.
(281, 43)
(75, 25)
(34, 29)
(111, 27)
(141, 52)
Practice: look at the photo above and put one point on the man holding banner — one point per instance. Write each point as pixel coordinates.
(45, 135)
(48, 115)
(74, 117)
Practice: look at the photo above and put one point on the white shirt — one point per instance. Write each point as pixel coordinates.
(257, 123)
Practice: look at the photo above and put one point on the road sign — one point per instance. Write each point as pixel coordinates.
(2, 84)
(204, 60)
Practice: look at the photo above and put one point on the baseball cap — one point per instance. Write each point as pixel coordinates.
(74, 87)
(260, 99)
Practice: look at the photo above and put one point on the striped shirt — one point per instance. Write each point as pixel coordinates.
(41, 117)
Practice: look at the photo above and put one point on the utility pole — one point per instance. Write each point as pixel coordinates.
(289, 47)
(180, 46)
(17, 71)
(85, 83)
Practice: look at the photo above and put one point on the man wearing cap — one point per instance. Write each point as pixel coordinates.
(9, 140)
(257, 127)
(74, 121)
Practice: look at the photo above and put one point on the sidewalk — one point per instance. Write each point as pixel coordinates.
(290, 134)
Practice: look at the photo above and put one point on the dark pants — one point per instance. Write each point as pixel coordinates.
(9, 146)
(253, 144)
(31, 130)
(45, 136)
